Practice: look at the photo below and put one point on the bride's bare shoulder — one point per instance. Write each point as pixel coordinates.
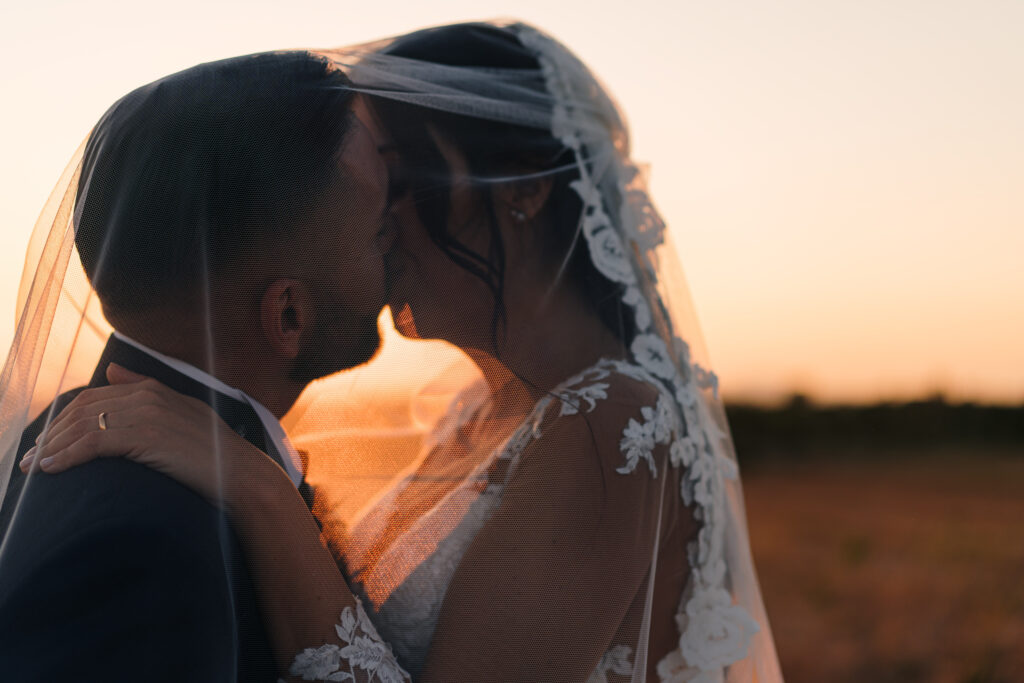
(610, 389)
(616, 411)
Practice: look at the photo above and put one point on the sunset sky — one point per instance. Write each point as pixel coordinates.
(845, 180)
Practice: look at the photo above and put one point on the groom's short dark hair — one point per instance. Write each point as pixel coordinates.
(210, 164)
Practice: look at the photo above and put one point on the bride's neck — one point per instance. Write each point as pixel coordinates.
(537, 349)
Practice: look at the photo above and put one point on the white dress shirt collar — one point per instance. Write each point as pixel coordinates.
(290, 457)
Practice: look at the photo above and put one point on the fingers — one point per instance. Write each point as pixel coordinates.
(89, 446)
(146, 391)
(87, 415)
(141, 417)
(120, 414)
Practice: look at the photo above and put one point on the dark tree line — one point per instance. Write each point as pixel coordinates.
(803, 429)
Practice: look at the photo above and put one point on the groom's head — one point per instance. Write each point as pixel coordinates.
(243, 202)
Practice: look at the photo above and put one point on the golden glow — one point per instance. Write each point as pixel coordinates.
(841, 178)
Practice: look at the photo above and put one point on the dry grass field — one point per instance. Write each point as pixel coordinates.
(902, 568)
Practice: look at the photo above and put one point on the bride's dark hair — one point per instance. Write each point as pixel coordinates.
(491, 150)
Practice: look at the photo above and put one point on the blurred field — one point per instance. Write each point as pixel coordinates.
(900, 566)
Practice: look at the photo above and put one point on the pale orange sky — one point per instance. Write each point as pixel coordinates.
(840, 177)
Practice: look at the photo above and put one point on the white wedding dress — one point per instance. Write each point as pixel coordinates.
(404, 584)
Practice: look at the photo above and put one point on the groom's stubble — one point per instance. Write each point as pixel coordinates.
(339, 340)
(354, 231)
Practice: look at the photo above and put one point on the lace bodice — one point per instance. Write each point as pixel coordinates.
(407, 582)
(409, 614)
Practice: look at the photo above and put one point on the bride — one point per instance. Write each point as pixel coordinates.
(575, 512)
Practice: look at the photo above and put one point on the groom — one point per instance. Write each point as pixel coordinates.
(232, 219)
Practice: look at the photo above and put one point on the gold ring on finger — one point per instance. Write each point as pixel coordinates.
(103, 420)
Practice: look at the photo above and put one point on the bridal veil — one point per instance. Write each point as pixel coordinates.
(402, 473)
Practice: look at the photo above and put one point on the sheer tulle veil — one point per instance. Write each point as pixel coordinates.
(363, 430)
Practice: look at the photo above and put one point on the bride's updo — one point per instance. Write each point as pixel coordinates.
(493, 150)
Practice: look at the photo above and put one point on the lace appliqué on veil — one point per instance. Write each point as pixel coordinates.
(714, 632)
(363, 650)
(615, 661)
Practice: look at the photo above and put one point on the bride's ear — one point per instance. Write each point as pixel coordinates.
(524, 199)
(286, 311)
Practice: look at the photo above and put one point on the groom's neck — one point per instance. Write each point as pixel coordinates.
(235, 364)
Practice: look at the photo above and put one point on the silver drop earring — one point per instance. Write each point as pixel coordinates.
(518, 216)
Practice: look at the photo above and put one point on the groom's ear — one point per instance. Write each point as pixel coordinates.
(286, 311)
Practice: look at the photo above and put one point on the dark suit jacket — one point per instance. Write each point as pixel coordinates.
(113, 572)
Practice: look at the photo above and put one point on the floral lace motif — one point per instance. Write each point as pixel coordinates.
(616, 661)
(574, 399)
(363, 650)
(639, 439)
(622, 228)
